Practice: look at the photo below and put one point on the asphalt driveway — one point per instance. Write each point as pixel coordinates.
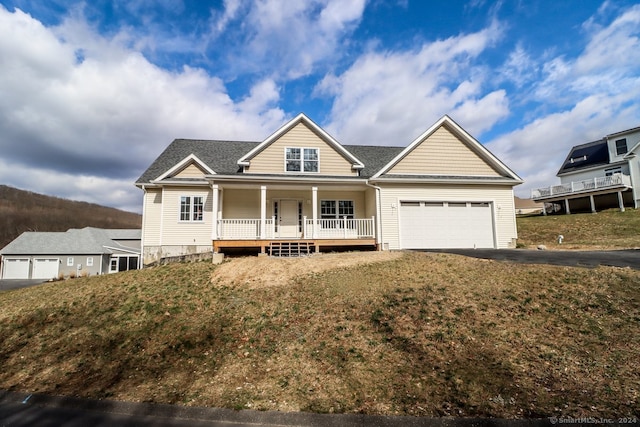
(7, 284)
(621, 258)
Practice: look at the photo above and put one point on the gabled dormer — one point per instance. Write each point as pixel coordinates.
(300, 147)
(189, 168)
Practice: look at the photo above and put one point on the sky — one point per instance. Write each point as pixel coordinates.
(92, 92)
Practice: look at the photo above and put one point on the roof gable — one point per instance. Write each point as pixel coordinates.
(445, 149)
(301, 132)
(189, 167)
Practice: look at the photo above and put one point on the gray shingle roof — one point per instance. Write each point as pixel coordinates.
(87, 240)
(222, 156)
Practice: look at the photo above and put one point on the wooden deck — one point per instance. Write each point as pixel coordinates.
(219, 245)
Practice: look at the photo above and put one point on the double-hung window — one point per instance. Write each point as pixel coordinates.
(191, 208)
(336, 210)
(301, 159)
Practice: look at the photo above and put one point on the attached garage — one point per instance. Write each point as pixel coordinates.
(436, 225)
(45, 268)
(16, 268)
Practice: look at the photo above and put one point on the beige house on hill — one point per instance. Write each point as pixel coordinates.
(301, 190)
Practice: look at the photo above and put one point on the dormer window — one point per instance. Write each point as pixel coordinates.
(621, 146)
(301, 159)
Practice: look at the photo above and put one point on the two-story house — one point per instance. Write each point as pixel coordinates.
(597, 175)
(300, 188)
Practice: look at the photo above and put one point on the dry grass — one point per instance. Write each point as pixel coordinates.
(419, 334)
(610, 229)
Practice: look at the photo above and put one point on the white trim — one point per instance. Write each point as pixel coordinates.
(462, 134)
(191, 158)
(436, 180)
(301, 118)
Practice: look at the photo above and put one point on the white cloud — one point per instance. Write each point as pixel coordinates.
(596, 93)
(391, 97)
(104, 118)
(288, 39)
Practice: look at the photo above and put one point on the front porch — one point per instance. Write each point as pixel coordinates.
(301, 215)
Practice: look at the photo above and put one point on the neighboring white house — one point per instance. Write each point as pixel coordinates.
(598, 174)
(86, 251)
(301, 187)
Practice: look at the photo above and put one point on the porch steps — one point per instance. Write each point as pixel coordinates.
(290, 249)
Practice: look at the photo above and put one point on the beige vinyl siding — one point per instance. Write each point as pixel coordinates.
(241, 204)
(500, 196)
(442, 153)
(176, 232)
(152, 216)
(191, 171)
(272, 158)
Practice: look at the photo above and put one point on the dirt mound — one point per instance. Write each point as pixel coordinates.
(258, 272)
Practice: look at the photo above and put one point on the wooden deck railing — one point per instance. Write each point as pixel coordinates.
(599, 183)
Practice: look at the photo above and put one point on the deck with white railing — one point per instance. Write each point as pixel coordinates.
(599, 184)
(335, 229)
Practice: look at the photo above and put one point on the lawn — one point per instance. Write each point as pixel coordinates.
(376, 333)
(610, 229)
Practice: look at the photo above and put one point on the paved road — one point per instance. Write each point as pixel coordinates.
(622, 258)
(22, 410)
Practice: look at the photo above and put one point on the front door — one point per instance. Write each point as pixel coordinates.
(288, 220)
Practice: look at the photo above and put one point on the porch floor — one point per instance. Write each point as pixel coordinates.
(263, 244)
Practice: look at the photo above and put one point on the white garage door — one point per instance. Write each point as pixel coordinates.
(45, 268)
(442, 225)
(17, 268)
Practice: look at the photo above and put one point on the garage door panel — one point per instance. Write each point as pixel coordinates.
(16, 268)
(442, 225)
(45, 268)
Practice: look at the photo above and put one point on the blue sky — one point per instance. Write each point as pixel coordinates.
(92, 92)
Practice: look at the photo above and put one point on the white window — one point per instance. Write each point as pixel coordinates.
(191, 208)
(301, 159)
(70, 261)
(89, 261)
(336, 209)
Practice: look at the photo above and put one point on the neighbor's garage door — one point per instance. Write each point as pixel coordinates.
(45, 268)
(17, 268)
(435, 225)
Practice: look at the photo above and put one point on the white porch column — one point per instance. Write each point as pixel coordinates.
(263, 211)
(566, 206)
(314, 214)
(621, 201)
(214, 201)
(593, 203)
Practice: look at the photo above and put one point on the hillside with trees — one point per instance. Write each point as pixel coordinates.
(22, 211)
